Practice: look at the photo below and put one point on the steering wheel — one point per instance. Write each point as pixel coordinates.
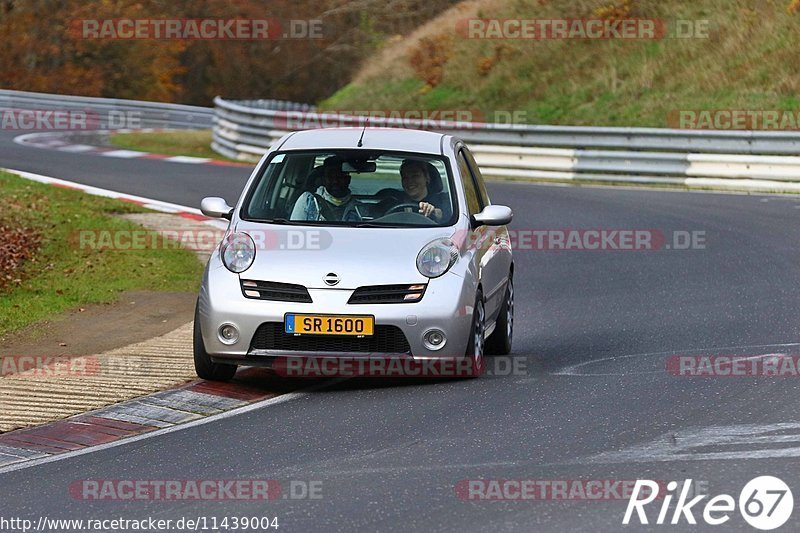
(402, 207)
(403, 218)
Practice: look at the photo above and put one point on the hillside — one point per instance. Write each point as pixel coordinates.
(749, 60)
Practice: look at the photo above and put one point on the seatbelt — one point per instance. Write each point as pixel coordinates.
(325, 209)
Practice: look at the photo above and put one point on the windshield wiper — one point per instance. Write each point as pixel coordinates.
(373, 225)
(287, 222)
(270, 220)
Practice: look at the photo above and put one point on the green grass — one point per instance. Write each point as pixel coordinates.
(64, 276)
(746, 63)
(194, 143)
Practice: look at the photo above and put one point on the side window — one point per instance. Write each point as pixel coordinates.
(259, 203)
(476, 172)
(473, 202)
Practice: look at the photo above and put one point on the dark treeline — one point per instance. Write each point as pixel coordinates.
(43, 47)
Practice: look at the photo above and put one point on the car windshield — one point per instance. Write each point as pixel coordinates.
(353, 188)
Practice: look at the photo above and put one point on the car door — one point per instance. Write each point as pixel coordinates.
(497, 257)
(479, 238)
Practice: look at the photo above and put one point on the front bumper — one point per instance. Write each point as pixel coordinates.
(447, 305)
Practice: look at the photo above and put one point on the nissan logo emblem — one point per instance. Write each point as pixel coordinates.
(331, 279)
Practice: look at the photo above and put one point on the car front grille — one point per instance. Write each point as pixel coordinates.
(386, 339)
(270, 290)
(387, 294)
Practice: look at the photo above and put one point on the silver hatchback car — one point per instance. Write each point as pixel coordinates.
(356, 244)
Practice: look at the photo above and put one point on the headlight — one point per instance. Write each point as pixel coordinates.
(238, 251)
(437, 257)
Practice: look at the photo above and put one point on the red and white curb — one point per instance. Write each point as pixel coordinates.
(126, 419)
(164, 412)
(187, 406)
(62, 141)
(183, 211)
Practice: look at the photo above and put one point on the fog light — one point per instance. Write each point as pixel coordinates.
(434, 339)
(228, 334)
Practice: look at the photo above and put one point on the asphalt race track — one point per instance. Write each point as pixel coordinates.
(594, 332)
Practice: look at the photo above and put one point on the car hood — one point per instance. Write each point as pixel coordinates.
(304, 255)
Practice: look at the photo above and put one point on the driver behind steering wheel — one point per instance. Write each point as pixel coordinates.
(416, 181)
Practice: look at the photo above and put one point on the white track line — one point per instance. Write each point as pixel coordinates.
(53, 140)
(187, 159)
(76, 148)
(574, 370)
(149, 203)
(124, 154)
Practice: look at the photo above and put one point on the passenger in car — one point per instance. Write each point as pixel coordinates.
(332, 201)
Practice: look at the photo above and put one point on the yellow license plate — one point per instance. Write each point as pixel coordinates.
(359, 326)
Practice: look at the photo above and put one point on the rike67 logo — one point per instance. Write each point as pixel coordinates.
(765, 503)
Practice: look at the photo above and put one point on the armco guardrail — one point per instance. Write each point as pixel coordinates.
(246, 129)
(126, 113)
(738, 159)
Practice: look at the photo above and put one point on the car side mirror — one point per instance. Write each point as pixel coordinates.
(493, 215)
(216, 207)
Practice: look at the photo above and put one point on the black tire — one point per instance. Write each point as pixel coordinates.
(499, 342)
(477, 340)
(203, 365)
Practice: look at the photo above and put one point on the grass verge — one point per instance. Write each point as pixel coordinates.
(194, 143)
(62, 275)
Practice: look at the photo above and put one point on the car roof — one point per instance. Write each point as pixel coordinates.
(400, 139)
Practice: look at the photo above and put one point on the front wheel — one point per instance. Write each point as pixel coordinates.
(203, 365)
(499, 342)
(475, 348)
